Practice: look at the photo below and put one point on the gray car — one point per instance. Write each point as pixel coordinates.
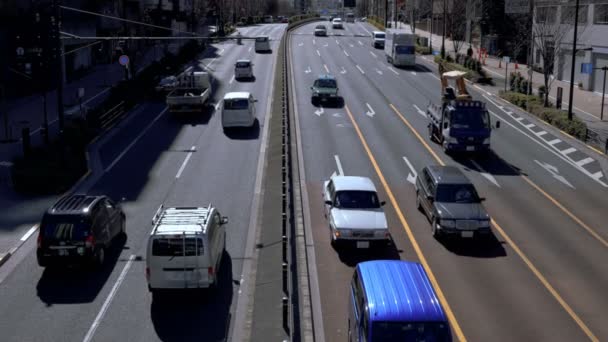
(450, 201)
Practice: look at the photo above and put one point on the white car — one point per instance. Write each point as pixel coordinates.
(243, 69)
(337, 23)
(354, 212)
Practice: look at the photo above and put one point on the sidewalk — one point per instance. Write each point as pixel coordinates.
(587, 104)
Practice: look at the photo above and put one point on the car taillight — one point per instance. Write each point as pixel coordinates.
(211, 271)
(40, 240)
(89, 242)
(148, 273)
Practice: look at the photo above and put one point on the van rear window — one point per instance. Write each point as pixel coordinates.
(236, 104)
(261, 39)
(177, 246)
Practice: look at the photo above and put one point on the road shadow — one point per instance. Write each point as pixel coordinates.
(337, 103)
(246, 79)
(268, 52)
(244, 133)
(489, 162)
(422, 68)
(351, 256)
(194, 118)
(198, 315)
(487, 247)
(78, 283)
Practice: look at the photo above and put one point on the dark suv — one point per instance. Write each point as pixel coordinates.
(79, 228)
(451, 202)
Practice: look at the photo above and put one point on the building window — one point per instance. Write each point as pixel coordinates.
(568, 13)
(546, 15)
(600, 16)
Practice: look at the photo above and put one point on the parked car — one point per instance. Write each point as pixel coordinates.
(354, 212)
(337, 23)
(243, 68)
(450, 201)
(321, 31)
(79, 229)
(325, 88)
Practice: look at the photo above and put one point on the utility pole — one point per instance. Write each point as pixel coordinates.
(571, 95)
(385, 13)
(444, 28)
(530, 54)
(58, 57)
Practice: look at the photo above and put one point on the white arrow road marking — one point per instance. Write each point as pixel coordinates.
(309, 70)
(340, 170)
(411, 176)
(485, 174)
(370, 112)
(249, 50)
(554, 172)
(231, 80)
(343, 71)
(318, 53)
(373, 54)
(351, 45)
(346, 53)
(181, 169)
(358, 67)
(420, 111)
(379, 71)
(326, 68)
(358, 41)
(320, 111)
(393, 70)
(314, 42)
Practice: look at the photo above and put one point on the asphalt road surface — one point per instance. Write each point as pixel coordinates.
(539, 278)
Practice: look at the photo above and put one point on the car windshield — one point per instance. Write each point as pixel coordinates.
(380, 35)
(470, 118)
(243, 64)
(261, 39)
(456, 193)
(399, 331)
(65, 227)
(355, 199)
(320, 27)
(177, 246)
(405, 50)
(236, 104)
(325, 83)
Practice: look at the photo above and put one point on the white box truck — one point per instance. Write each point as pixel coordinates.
(400, 47)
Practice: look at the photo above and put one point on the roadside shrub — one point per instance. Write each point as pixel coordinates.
(423, 50)
(542, 90)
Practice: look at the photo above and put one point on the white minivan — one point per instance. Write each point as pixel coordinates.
(262, 43)
(238, 110)
(185, 248)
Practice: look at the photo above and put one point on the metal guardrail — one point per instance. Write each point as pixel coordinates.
(110, 117)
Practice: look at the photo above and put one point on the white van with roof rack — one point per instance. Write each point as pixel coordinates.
(185, 248)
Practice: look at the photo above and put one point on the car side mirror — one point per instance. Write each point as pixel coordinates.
(224, 220)
(328, 202)
(497, 124)
(383, 203)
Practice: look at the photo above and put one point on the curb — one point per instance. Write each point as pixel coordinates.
(4, 257)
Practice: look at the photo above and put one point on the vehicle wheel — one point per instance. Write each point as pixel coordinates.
(446, 150)
(418, 202)
(314, 100)
(436, 232)
(100, 257)
(431, 136)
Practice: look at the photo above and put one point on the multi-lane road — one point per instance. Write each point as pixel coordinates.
(154, 158)
(539, 278)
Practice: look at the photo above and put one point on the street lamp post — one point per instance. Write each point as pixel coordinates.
(604, 68)
(444, 28)
(571, 95)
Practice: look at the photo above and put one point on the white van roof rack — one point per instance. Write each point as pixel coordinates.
(173, 217)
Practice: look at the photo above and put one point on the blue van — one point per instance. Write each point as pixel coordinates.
(392, 300)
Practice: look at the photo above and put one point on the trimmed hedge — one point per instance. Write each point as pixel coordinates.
(376, 22)
(423, 50)
(553, 116)
(297, 18)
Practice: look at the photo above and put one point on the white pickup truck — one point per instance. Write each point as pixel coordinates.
(192, 93)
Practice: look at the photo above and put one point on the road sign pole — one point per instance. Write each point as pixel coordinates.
(603, 94)
(506, 74)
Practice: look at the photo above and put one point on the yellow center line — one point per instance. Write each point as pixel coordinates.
(519, 252)
(408, 231)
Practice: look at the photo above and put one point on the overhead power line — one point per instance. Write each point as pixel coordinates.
(126, 20)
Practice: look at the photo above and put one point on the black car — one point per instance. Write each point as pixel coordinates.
(450, 201)
(79, 228)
